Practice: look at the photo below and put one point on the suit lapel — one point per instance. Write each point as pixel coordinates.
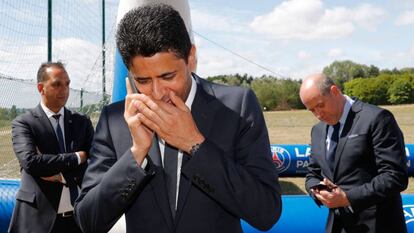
(324, 164)
(68, 130)
(154, 152)
(158, 183)
(204, 106)
(351, 120)
(159, 189)
(184, 187)
(46, 129)
(203, 110)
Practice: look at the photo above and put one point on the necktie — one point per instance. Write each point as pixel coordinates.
(73, 189)
(170, 169)
(330, 155)
(59, 134)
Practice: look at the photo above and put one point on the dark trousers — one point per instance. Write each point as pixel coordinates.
(65, 225)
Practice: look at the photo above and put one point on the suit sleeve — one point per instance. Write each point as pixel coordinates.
(31, 160)
(244, 180)
(109, 185)
(314, 175)
(389, 151)
(88, 131)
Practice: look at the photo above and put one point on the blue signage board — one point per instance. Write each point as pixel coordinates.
(292, 160)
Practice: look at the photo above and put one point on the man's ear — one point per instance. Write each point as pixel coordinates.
(40, 87)
(335, 90)
(192, 59)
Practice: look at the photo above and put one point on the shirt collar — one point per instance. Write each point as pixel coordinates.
(347, 107)
(50, 113)
(192, 93)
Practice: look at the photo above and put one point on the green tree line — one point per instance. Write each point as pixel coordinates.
(272, 93)
(8, 114)
(367, 83)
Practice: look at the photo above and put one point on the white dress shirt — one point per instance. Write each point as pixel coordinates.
(347, 107)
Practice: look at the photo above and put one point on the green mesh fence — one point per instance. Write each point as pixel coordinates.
(76, 41)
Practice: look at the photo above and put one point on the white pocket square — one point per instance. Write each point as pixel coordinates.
(353, 135)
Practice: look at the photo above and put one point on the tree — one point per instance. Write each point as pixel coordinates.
(401, 90)
(370, 90)
(13, 112)
(4, 114)
(343, 71)
(265, 90)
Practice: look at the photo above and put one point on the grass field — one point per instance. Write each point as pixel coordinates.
(285, 127)
(293, 127)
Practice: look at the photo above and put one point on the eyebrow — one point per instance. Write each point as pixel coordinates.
(159, 76)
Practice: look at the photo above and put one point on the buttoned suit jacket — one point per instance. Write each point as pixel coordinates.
(37, 150)
(231, 177)
(370, 166)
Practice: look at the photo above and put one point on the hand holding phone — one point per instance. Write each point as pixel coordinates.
(321, 186)
(132, 84)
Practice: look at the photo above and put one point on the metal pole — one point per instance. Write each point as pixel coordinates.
(49, 30)
(81, 99)
(103, 53)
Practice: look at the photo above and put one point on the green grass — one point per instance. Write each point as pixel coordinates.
(293, 127)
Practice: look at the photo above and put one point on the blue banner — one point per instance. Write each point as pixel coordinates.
(300, 213)
(292, 160)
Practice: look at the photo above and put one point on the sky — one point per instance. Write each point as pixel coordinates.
(299, 37)
(288, 39)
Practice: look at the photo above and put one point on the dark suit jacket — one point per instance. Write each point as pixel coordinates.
(37, 149)
(231, 176)
(370, 166)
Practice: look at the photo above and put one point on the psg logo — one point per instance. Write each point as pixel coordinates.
(409, 216)
(281, 158)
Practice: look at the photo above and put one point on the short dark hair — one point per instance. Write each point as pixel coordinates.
(41, 72)
(324, 85)
(150, 29)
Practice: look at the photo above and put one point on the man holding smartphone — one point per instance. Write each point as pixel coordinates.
(357, 165)
(184, 155)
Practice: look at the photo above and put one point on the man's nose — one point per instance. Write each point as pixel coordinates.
(317, 114)
(157, 91)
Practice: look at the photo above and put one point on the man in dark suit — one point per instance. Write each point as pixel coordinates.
(221, 170)
(357, 164)
(51, 144)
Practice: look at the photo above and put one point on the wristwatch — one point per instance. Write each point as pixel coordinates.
(195, 148)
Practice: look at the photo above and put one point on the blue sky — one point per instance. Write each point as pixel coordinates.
(298, 37)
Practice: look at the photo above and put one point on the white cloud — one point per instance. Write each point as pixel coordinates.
(367, 16)
(202, 20)
(309, 19)
(216, 61)
(22, 58)
(406, 18)
(303, 55)
(82, 59)
(335, 52)
(301, 71)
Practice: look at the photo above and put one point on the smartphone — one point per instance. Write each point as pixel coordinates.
(322, 187)
(132, 84)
